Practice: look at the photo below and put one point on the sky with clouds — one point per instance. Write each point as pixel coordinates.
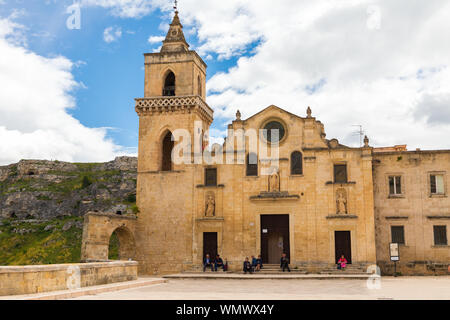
(68, 94)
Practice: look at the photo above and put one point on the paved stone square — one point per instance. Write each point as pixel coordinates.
(391, 288)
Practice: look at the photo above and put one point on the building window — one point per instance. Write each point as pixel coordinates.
(274, 132)
(440, 235)
(398, 234)
(340, 173)
(211, 177)
(296, 163)
(252, 164)
(169, 85)
(167, 147)
(437, 184)
(395, 185)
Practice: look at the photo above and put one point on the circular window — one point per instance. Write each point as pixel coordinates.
(270, 135)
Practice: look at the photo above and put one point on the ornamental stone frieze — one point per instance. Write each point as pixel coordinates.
(177, 104)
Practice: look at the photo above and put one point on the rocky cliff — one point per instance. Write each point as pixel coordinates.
(44, 190)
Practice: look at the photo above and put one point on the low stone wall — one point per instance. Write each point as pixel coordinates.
(415, 268)
(44, 278)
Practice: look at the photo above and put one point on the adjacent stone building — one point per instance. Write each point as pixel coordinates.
(322, 200)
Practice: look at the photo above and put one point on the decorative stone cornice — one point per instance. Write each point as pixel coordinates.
(342, 216)
(177, 104)
(265, 196)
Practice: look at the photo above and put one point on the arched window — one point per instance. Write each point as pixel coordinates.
(199, 85)
(169, 85)
(296, 163)
(167, 146)
(252, 164)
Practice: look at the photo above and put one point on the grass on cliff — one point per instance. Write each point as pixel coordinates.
(37, 246)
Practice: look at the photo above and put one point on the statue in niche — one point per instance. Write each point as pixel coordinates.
(341, 202)
(210, 206)
(274, 181)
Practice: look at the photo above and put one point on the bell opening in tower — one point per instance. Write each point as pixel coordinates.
(169, 85)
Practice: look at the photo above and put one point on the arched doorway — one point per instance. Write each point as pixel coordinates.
(121, 245)
(169, 85)
(167, 147)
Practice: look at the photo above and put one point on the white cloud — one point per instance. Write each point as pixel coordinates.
(125, 8)
(34, 100)
(382, 64)
(112, 34)
(353, 61)
(155, 39)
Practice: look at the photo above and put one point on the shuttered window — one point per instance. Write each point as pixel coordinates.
(211, 177)
(340, 173)
(398, 234)
(440, 235)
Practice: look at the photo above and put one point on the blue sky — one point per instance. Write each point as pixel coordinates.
(112, 73)
(69, 94)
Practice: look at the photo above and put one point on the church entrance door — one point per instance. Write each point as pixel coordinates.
(274, 238)
(210, 244)
(343, 245)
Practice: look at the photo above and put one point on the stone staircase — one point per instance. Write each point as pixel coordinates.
(274, 269)
(350, 269)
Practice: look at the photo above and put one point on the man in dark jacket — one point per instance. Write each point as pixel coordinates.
(247, 266)
(284, 262)
(207, 262)
(218, 263)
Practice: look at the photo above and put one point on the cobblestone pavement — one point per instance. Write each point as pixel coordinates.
(391, 288)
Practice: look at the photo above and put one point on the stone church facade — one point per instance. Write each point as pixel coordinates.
(323, 200)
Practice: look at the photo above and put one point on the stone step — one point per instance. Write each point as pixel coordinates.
(256, 275)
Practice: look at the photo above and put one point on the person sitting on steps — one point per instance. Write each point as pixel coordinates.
(207, 262)
(253, 263)
(218, 263)
(284, 262)
(342, 263)
(258, 264)
(247, 267)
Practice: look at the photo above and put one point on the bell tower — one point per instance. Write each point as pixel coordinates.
(175, 70)
(174, 98)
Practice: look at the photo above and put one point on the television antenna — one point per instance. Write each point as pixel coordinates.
(359, 133)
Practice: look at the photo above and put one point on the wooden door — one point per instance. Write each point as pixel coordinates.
(210, 244)
(343, 245)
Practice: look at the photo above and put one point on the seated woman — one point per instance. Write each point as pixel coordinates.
(258, 263)
(342, 262)
(247, 267)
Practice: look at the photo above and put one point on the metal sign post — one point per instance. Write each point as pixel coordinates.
(395, 255)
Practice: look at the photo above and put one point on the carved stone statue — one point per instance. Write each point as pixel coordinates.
(366, 142)
(341, 202)
(238, 115)
(274, 181)
(210, 206)
(309, 112)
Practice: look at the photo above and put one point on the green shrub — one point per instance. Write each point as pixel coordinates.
(135, 209)
(131, 198)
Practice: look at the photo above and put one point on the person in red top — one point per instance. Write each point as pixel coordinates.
(342, 262)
